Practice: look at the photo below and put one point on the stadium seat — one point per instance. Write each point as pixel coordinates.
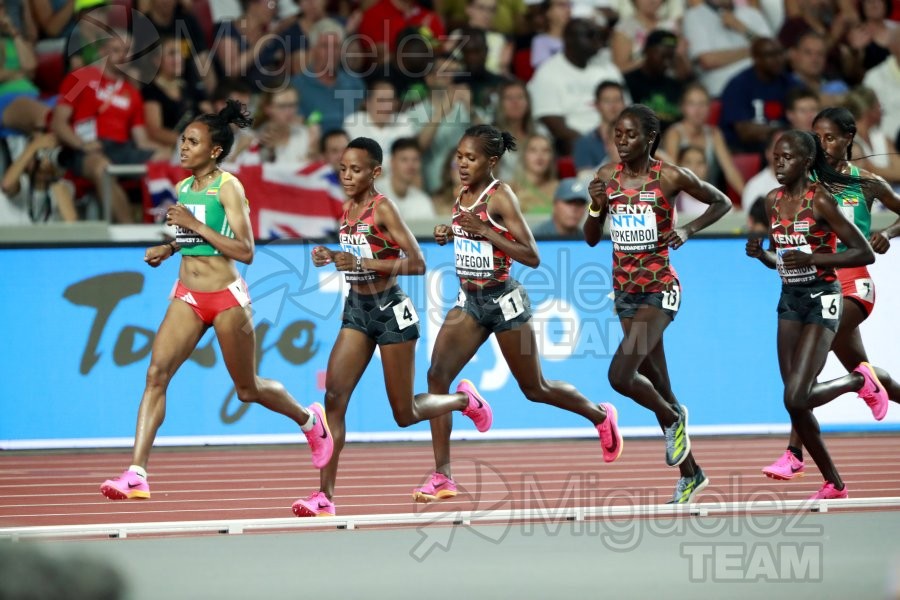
(565, 167)
(748, 164)
(49, 73)
(521, 66)
(715, 110)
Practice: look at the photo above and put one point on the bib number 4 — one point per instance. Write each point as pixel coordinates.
(405, 313)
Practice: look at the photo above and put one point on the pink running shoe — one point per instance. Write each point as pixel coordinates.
(610, 438)
(127, 486)
(786, 467)
(438, 487)
(829, 492)
(321, 444)
(872, 391)
(316, 504)
(478, 409)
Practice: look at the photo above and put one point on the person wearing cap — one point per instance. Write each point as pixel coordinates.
(650, 84)
(569, 207)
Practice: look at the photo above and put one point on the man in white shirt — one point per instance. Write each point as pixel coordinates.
(719, 36)
(884, 80)
(562, 89)
(400, 186)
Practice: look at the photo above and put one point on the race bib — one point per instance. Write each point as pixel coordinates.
(405, 313)
(831, 306)
(511, 304)
(474, 258)
(799, 275)
(671, 300)
(633, 228)
(239, 290)
(865, 289)
(358, 246)
(186, 237)
(460, 298)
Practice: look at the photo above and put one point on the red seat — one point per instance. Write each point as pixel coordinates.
(715, 110)
(565, 167)
(521, 64)
(748, 164)
(50, 71)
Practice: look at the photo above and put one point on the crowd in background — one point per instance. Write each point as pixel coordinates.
(86, 83)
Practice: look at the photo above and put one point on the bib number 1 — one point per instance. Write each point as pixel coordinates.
(511, 304)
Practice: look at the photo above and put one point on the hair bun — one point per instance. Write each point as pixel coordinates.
(237, 113)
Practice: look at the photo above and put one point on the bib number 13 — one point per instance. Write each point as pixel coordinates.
(671, 300)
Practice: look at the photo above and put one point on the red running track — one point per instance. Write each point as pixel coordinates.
(56, 488)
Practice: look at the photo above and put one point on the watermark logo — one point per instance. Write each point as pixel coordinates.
(742, 562)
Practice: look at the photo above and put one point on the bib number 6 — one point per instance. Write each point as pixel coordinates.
(831, 306)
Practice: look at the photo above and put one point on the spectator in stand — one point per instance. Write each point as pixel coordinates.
(410, 65)
(100, 115)
(441, 119)
(629, 36)
(173, 21)
(480, 15)
(508, 16)
(800, 108)
(884, 80)
(513, 115)
(20, 15)
(808, 58)
(759, 186)
(250, 47)
(556, 14)
(693, 159)
(872, 37)
(445, 198)
(385, 19)
(33, 187)
(598, 146)
(296, 29)
(402, 185)
(719, 35)
(875, 152)
(832, 19)
(483, 83)
(88, 34)
(694, 130)
(380, 120)
(281, 135)
(331, 148)
(328, 93)
(563, 88)
(170, 102)
(53, 18)
(753, 101)
(535, 181)
(651, 85)
(570, 202)
(20, 107)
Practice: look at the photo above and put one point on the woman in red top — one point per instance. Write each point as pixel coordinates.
(376, 247)
(806, 223)
(488, 233)
(638, 195)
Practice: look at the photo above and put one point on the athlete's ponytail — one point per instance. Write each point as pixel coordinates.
(823, 172)
(493, 141)
(843, 120)
(219, 125)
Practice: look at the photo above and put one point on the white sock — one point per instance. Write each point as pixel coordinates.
(310, 423)
(141, 471)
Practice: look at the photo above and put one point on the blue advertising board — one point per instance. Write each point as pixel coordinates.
(80, 324)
